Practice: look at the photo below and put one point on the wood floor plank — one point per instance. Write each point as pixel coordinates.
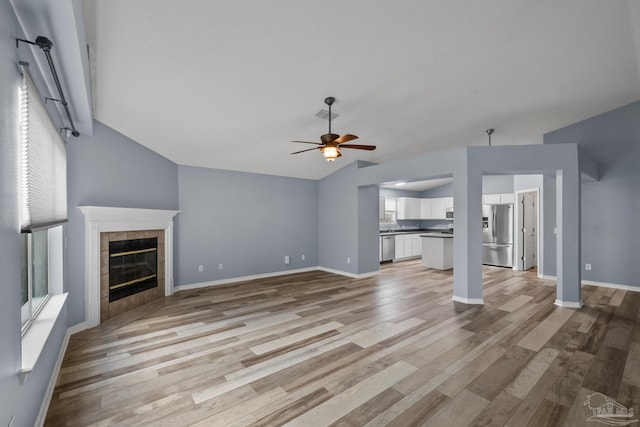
(340, 405)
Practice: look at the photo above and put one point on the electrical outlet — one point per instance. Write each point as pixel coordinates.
(302, 257)
(201, 268)
(220, 266)
(587, 267)
(287, 260)
(348, 260)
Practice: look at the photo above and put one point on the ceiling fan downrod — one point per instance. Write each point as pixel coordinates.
(329, 101)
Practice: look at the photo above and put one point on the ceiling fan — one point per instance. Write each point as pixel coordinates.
(332, 143)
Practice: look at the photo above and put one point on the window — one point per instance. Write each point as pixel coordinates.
(35, 274)
(43, 203)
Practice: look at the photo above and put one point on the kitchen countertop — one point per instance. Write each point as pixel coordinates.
(423, 231)
(438, 235)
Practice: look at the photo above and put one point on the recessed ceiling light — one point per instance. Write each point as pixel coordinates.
(398, 184)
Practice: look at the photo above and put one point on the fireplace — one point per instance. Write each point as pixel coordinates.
(133, 267)
(104, 224)
(131, 270)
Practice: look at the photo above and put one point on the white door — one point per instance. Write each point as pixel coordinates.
(529, 236)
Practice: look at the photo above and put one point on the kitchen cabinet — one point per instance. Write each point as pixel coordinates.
(491, 199)
(399, 247)
(390, 204)
(407, 208)
(507, 199)
(425, 208)
(435, 208)
(408, 246)
(438, 208)
(381, 208)
(437, 252)
(498, 199)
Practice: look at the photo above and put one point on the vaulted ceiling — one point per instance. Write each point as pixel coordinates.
(229, 84)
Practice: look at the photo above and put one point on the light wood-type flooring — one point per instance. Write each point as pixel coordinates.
(319, 349)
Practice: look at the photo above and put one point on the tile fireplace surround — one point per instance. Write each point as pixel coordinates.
(101, 219)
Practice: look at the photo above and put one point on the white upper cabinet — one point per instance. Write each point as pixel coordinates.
(448, 202)
(425, 208)
(390, 204)
(498, 199)
(414, 208)
(506, 199)
(491, 199)
(438, 208)
(408, 208)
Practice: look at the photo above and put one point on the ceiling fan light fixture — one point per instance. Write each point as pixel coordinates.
(330, 153)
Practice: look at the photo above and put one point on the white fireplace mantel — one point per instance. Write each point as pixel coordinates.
(102, 219)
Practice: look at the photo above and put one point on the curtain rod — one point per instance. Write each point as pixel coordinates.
(45, 44)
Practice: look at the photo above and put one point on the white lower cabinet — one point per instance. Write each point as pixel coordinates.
(408, 246)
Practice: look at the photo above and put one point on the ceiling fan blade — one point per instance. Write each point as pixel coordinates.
(308, 142)
(358, 146)
(308, 149)
(346, 138)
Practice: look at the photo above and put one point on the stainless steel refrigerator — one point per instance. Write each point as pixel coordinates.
(497, 235)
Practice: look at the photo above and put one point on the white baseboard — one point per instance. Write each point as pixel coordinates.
(267, 275)
(476, 301)
(568, 304)
(611, 285)
(346, 273)
(241, 279)
(603, 284)
(77, 328)
(46, 400)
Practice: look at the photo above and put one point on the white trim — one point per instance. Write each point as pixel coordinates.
(35, 338)
(547, 277)
(352, 275)
(612, 285)
(101, 219)
(477, 301)
(568, 304)
(267, 275)
(240, 279)
(78, 328)
(539, 237)
(46, 399)
(603, 284)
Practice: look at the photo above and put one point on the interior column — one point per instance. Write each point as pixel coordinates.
(467, 241)
(568, 239)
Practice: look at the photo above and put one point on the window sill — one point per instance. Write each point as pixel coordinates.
(35, 338)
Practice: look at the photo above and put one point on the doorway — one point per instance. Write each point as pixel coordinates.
(527, 226)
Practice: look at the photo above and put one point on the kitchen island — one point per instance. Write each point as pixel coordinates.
(437, 250)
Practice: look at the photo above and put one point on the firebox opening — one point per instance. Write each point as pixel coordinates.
(133, 267)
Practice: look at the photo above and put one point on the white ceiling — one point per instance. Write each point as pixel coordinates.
(228, 84)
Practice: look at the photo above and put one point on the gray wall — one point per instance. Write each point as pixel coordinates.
(109, 169)
(611, 206)
(338, 220)
(368, 221)
(497, 184)
(248, 222)
(21, 401)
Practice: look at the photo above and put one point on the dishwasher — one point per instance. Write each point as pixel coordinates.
(388, 248)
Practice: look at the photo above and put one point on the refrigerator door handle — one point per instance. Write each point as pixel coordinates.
(494, 224)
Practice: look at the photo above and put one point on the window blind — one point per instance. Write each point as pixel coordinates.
(43, 170)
